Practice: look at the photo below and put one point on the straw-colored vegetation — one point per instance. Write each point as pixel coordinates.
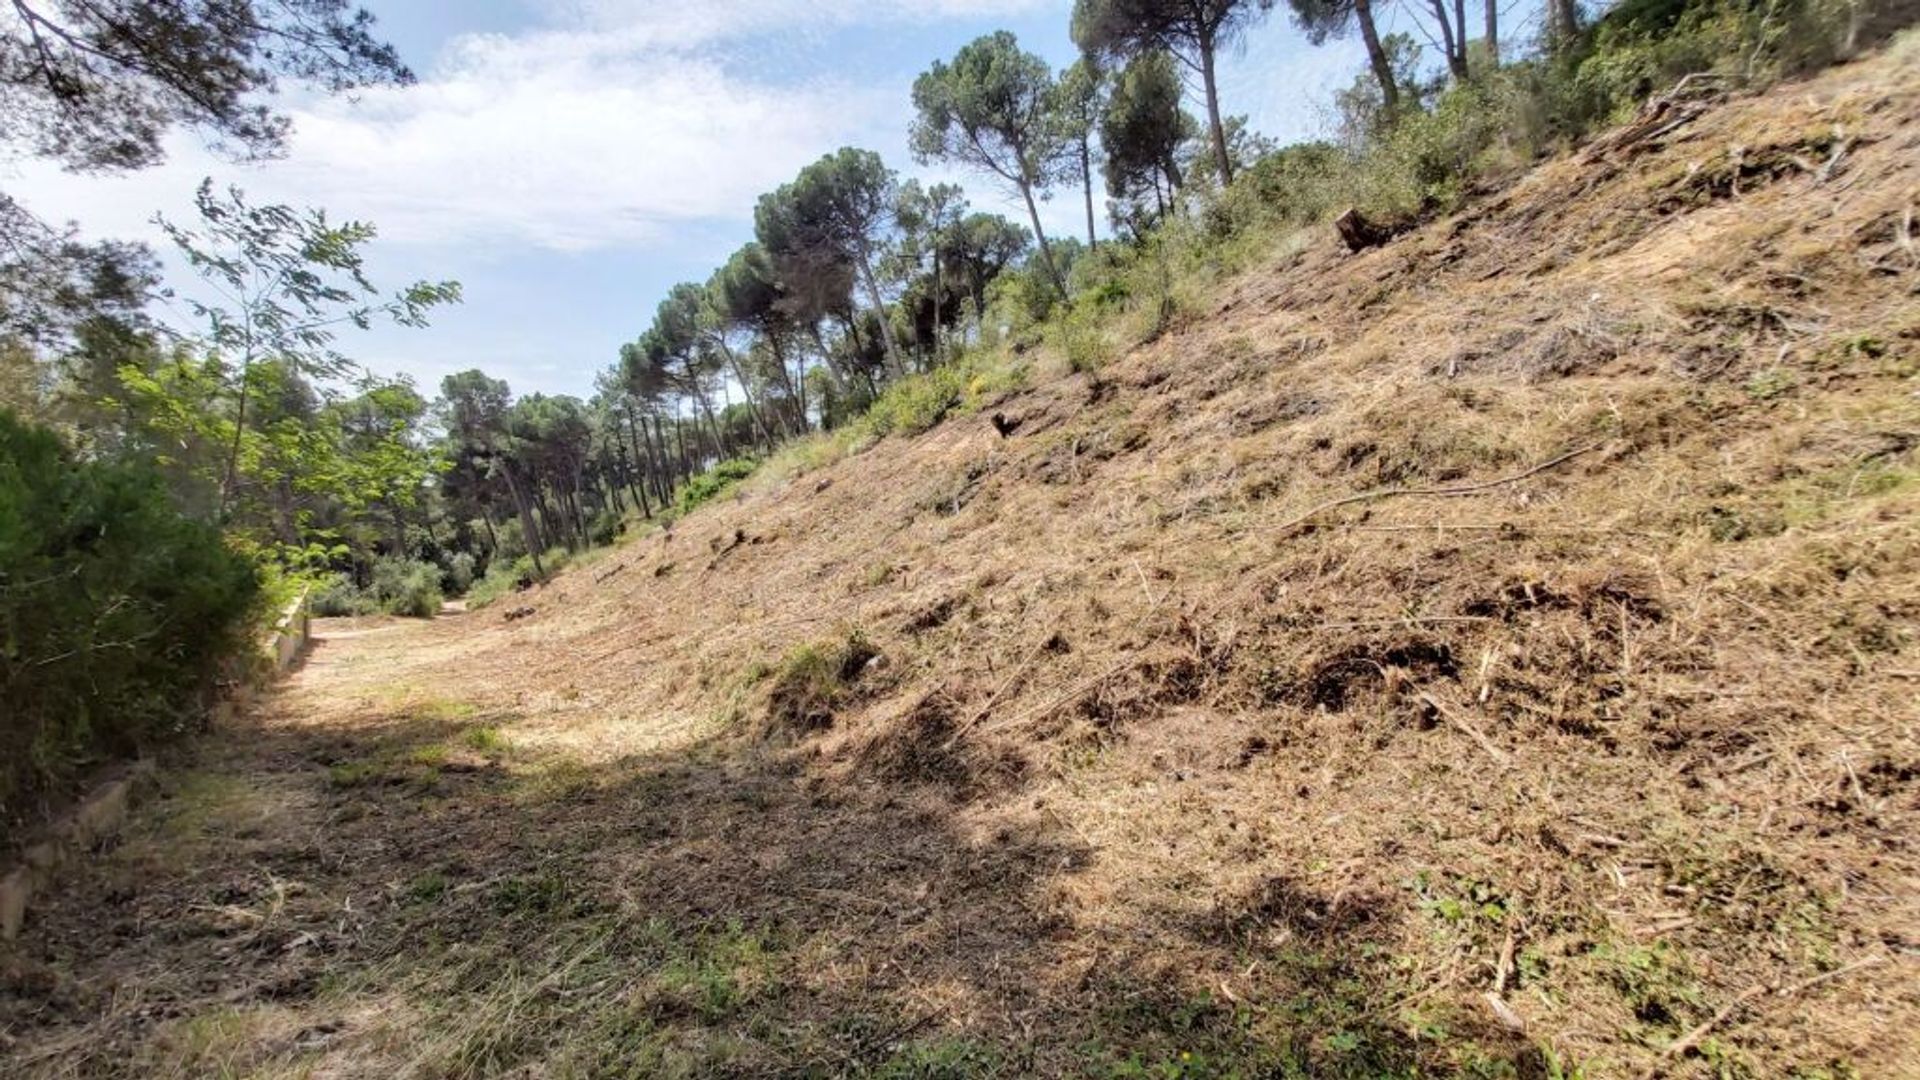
(1491, 655)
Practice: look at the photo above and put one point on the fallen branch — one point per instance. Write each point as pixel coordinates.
(1467, 728)
(1687, 1042)
(1000, 692)
(1415, 620)
(1439, 492)
(1055, 702)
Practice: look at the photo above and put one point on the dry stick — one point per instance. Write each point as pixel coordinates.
(1686, 1042)
(994, 698)
(1410, 620)
(1062, 699)
(1517, 527)
(1461, 724)
(1443, 493)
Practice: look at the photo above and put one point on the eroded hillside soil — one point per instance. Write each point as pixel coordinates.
(1491, 655)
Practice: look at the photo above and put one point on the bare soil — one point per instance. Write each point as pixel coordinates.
(1494, 654)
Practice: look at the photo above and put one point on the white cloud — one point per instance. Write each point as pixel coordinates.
(693, 22)
(605, 128)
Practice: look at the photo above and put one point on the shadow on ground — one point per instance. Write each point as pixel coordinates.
(403, 892)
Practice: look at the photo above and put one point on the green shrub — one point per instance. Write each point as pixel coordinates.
(339, 596)
(506, 576)
(714, 483)
(406, 587)
(459, 572)
(606, 527)
(115, 612)
(918, 402)
(501, 578)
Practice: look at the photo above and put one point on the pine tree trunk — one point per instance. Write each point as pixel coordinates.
(896, 369)
(529, 529)
(1221, 159)
(1046, 249)
(643, 463)
(1377, 56)
(1086, 177)
(1460, 37)
(493, 538)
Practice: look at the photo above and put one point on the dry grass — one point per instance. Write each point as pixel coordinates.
(1145, 773)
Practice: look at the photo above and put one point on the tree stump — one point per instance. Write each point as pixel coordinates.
(1358, 233)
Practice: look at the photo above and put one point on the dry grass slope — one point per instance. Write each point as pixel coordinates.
(1492, 655)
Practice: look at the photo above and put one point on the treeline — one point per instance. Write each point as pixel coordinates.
(861, 294)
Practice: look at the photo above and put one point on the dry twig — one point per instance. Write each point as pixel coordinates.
(1467, 728)
(1692, 1038)
(1436, 492)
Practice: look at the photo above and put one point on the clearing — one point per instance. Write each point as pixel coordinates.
(1493, 654)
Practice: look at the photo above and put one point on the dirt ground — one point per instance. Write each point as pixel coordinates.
(1492, 655)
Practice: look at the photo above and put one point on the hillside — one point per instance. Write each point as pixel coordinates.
(1491, 654)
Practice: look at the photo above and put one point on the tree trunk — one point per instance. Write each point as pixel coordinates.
(1447, 46)
(1493, 33)
(529, 529)
(1221, 159)
(399, 529)
(231, 478)
(663, 471)
(1377, 57)
(1046, 249)
(493, 538)
(1086, 177)
(880, 310)
(1460, 36)
(713, 427)
(1565, 18)
(939, 291)
(643, 463)
(753, 403)
(796, 391)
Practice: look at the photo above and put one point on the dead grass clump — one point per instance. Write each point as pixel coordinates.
(814, 681)
(1336, 680)
(1281, 909)
(927, 747)
(1743, 170)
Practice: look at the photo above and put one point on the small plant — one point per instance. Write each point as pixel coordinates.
(1771, 383)
(487, 740)
(349, 774)
(814, 680)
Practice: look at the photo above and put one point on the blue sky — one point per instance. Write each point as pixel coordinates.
(569, 160)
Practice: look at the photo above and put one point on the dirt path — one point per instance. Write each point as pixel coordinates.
(373, 878)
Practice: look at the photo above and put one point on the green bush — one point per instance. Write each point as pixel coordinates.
(339, 596)
(506, 576)
(918, 402)
(459, 572)
(406, 587)
(714, 483)
(115, 613)
(501, 578)
(606, 527)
